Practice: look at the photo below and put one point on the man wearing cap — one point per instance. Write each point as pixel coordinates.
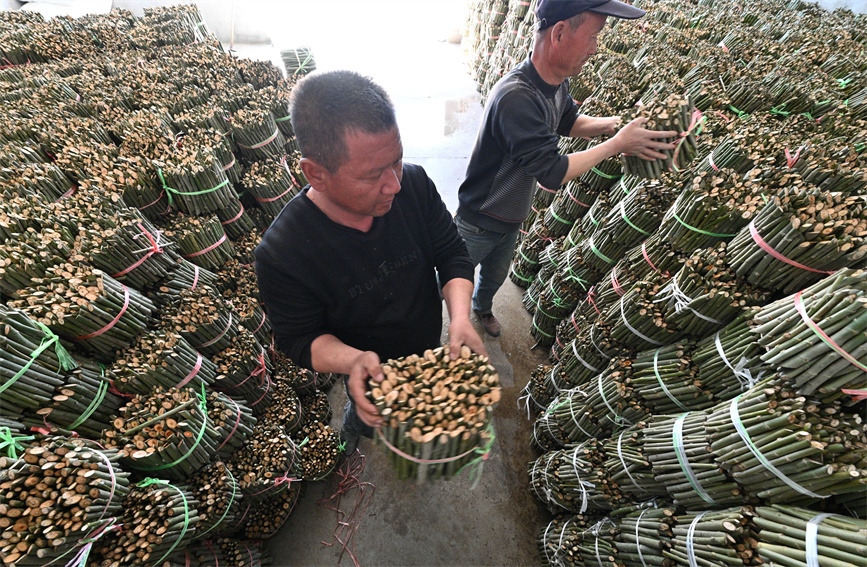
(527, 110)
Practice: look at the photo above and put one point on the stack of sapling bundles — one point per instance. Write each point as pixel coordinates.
(265, 517)
(187, 276)
(204, 117)
(260, 74)
(298, 61)
(201, 240)
(705, 293)
(271, 183)
(638, 321)
(267, 464)
(302, 380)
(679, 452)
(592, 410)
(526, 265)
(713, 206)
(788, 449)
(285, 406)
(591, 350)
(256, 134)
(87, 306)
(45, 180)
(791, 537)
(147, 133)
(201, 316)
(158, 517)
(233, 421)
(220, 145)
(129, 248)
(801, 236)
(665, 379)
(237, 221)
(161, 357)
(645, 534)
(245, 248)
(219, 497)
(29, 255)
(194, 179)
(49, 516)
(252, 317)
(675, 113)
(228, 551)
(83, 403)
(275, 99)
(166, 432)
(135, 179)
(639, 213)
(815, 338)
(728, 362)
(628, 466)
(605, 174)
(570, 204)
(571, 543)
(535, 396)
(437, 411)
(315, 407)
(574, 479)
(244, 372)
(319, 447)
(723, 537)
(33, 362)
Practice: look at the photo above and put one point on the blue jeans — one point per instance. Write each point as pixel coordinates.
(493, 250)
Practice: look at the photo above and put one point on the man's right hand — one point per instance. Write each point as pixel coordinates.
(636, 140)
(366, 366)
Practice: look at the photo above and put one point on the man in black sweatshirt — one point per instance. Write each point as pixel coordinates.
(527, 110)
(348, 269)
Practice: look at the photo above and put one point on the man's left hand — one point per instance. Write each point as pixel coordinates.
(462, 332)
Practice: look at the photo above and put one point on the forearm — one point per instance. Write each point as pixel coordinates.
(330, 354)
(582, 162)
(457, 294)
(590, 126)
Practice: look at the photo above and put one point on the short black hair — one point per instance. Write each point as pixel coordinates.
(326, 105)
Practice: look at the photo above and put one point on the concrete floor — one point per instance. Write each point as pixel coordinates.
(444, 522)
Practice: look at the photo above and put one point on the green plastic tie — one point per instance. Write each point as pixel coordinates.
(605, 175)
(598, 253)
(700, 231)
(150, 481)
(629, 222)
(10, 443)
(170, 190)
(203, 405)
(740, 113)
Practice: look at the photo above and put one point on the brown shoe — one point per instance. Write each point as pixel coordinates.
(490, 323)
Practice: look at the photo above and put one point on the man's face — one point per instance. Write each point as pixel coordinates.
(579, 45)
(365, 185)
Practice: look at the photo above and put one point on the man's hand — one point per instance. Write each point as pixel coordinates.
(462, 332)
(366, 366)
(636, 140)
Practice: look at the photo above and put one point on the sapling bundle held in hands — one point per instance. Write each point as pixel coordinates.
(675, 113)
(437, 411)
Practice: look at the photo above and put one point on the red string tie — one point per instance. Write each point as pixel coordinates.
(154, 249)
(113, 321)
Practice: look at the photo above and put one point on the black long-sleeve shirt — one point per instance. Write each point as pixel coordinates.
(516, 146)
(373, 290)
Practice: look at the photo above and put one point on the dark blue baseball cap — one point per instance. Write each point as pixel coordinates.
(549, 12)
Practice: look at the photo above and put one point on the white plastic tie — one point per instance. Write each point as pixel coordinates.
(690, 543)
(812, 552)
(681, 301)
